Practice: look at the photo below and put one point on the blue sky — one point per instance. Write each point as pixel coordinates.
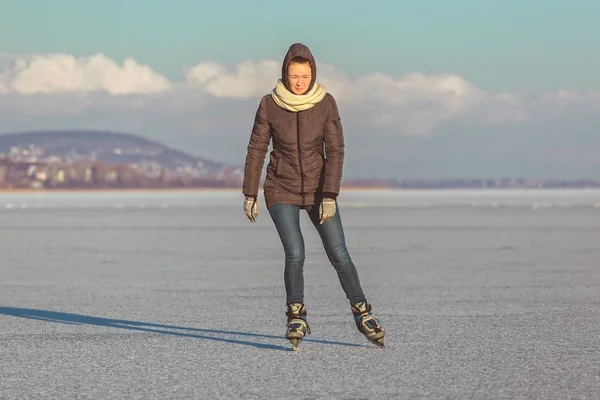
(521, 94)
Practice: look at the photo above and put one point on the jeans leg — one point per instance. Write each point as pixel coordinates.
(287, 221)
(334, 241)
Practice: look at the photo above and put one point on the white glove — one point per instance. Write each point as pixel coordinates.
(327, 209)
(251, 208)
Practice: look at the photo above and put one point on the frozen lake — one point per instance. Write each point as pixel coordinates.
(484, 294)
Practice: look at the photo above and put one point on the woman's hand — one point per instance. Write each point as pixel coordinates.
(327, 209)
(251, 208)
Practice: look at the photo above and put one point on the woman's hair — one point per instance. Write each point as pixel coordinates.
(299, 60)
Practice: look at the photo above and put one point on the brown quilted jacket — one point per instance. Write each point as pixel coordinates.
(307, 158)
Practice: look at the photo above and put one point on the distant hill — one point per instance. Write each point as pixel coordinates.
(105, 146)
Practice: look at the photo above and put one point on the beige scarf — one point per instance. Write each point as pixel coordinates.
(294, 102)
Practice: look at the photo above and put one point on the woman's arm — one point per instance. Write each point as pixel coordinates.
(257, 150)
(334, 152)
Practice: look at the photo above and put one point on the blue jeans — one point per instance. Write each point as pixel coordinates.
(287, 221)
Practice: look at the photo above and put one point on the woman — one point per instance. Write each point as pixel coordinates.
(304, 172)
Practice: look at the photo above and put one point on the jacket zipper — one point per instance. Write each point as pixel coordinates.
(299, 155)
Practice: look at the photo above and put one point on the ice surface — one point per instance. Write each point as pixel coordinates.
(178, 295)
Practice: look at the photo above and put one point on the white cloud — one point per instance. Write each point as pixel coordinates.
(413, 104)
(60, 73)
(250, 79)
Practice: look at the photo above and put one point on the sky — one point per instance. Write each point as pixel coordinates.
(428, 88)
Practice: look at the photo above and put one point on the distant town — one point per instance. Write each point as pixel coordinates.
(86, 174)
(466, 183)
(100, 175)
(31, 166)
(59, 160)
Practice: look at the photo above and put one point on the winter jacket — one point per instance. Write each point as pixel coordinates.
(307, 157)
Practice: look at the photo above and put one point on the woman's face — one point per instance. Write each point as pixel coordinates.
(299, 77)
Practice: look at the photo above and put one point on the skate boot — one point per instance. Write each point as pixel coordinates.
(367, 324)
(297, 326)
